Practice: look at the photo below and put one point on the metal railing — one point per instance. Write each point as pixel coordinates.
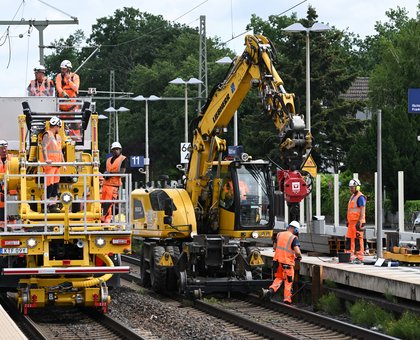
(25, 214)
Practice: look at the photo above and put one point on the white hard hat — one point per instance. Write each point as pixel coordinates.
(116, 145)
(55, 121)
(3, 142)
(66, 64)
(39, 68)
(294, 224)
(354, 182)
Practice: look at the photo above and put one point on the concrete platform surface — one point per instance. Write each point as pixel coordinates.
(9, 330)
(399, 281)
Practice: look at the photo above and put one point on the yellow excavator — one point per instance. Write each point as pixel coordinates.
(202, 238)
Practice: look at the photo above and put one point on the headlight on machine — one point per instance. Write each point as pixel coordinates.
(31, 242)
(66, 198)
(99, 242)
(254, 234)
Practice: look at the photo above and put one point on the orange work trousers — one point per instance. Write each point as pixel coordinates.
(108, 193)
(284, 274)
(355, 246)
(52, 170)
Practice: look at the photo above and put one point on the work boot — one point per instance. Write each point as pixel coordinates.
(288, 302)
(267, 294)
(53, 209)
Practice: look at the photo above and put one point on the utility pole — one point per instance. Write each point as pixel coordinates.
(40, 25)
(112, 115)
(202, 67)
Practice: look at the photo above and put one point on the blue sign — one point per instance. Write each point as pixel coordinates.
(413, 100)
(136, 161)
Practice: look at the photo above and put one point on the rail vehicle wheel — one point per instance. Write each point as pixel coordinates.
(144, 274)
(240, 270)
(182, 282)
(157, 273)
(257, 271)
(171, 279)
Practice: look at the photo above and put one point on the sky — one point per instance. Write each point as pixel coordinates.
(224, 19)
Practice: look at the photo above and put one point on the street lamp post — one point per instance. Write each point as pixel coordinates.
(317, 27)
(225, 61)
(298, 27)
(146, 129)
(191, 81)
(121, 109)
(111, 111)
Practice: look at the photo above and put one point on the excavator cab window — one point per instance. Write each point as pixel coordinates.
(254, 195)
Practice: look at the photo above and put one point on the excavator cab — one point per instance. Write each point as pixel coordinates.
(246, 200)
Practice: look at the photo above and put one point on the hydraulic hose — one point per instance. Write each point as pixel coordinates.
(95, 281)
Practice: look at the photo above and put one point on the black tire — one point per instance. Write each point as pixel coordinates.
(171, 279)
(144, 274)
(256, 271)
(157, 273)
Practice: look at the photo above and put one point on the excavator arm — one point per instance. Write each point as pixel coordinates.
(254, 68)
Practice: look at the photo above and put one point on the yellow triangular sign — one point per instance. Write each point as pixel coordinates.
(309, 162)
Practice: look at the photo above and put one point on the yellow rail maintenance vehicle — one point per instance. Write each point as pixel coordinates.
(202, 238)
(67, 257)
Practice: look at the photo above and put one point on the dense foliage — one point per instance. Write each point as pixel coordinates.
(146, 52)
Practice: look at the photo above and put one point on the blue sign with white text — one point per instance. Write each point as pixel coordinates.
(413, 100)
(136, 161)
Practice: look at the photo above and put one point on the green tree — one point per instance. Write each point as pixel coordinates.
(332, 70)
(397, 45)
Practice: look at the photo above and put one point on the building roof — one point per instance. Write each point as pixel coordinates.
(358, 90)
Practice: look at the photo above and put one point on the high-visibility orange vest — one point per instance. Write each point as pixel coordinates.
(114, 167)
(3, 169)
(3, 166)
(353, 211)
(53, 148)
(284, 253)
(45, 88)
(71, 87)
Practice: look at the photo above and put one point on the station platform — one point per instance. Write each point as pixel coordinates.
(9, 329)
(402, 281)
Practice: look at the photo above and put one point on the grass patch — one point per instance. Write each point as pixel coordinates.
(329, 283)
(212, 300)
(330, 304)
(369, 315)
(408, 327)
(390, 297)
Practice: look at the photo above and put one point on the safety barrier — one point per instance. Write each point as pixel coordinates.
(82, 213)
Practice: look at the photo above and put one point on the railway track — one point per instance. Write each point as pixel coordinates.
(273, 320)
(68, 323)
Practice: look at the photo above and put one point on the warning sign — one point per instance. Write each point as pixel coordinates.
(310, 166)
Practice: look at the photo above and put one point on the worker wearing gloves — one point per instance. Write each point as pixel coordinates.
(41, 85)
(355, 222)
(67, 85)
(52, 153)
(286, 250)
(117, 164)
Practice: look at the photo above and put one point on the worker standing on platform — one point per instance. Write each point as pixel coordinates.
(117, 164)
(41, 85)
(3, 170)
(67, 84)
(52, 153)
(355, 223)
(286, 250)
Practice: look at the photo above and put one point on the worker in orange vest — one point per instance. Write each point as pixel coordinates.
(3, 170)
(67, 84)
(356, 223)
(286, 250)
(117, 164)
(52, 153)
(41, 85)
